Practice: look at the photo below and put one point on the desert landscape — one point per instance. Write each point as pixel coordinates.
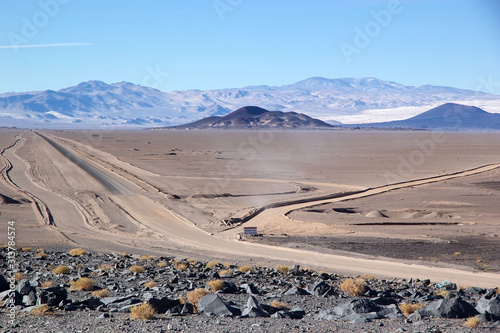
(411, 214)
(335, 192)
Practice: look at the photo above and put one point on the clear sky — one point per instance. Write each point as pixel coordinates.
(209, 44)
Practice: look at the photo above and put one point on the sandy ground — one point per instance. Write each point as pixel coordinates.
(188, 192)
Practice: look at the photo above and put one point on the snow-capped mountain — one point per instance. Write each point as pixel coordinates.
(95, 103)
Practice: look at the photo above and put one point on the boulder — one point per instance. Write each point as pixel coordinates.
(163, 304)
(296, 291)
(319, 288)
(4, 284)
(445, 308)
(24, 287)
(253, 309)
(489, 303)
(52, 296)
(356, 306)
(250, 288)
(213, 304)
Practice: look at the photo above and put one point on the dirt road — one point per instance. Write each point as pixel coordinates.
(155, 228)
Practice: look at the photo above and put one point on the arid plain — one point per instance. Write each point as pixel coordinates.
(390, 203)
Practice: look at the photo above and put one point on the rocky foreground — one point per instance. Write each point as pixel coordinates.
(108, 292)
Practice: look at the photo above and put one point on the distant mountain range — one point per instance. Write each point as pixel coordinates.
(252, 117)
(449, 116)
(96, 104)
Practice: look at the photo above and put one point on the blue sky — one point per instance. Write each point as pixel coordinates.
(209, 44)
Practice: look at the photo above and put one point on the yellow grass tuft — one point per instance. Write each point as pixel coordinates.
(77, 252)
(408, 308)
(226, 272)
(211, 264)
(26, 249)
(368, 277)
(283, 269)
(47, 284)
(105, 267)
(216, 285)
(354, 287)
(61, 269)
(42, 310)
(82, 284)
(40, 250)
(182, 299)
(472, 322)
(42, 255)
(146, 257)
(228, 264)
(181, 266)
(142, 311)
(162, 264)
(244, 268)
(195, 295)
(151, 284)
(279, 305)
(443, 293)
(18, 276)
(136, 269)
(193, 261)
(101, 293)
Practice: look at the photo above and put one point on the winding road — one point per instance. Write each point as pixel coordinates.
(163, 230)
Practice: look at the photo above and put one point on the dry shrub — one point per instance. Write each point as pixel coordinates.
(77, 252)
(101, 293)
(146, 257)
(408, 308)
(18, 276)
(82, 284)
(244, 268)
(142, 311)
(181, 266)
(162, 264)
(472, 322)
(216, 285)
(354, 287)
(47, 284)
(283, 269)
(151, 284)
(40, 250)
(61, 269)
(443, 293)
(137, 269)
(182, 299)
(498, 290)
(226, 272)
(42, 255)
(193, 261)
(279, 305)
(26, 249)
(195, 295)
(105, 267)
(229, 264)
(368, 277)
(42, 310)
(211, 264)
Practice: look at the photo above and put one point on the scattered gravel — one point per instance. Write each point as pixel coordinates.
(255, 299)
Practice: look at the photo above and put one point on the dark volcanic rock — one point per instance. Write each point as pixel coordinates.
(52, 296)
(213, 304)
(253, 309)
(445, 308)
(4, 284)
(489, 303)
